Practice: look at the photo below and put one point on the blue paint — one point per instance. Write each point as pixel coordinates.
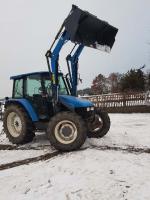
(74, 69)
(27, 106)
(74, 102)
(73, 59)
(55, 53)
(54, 62)
(44, 73)
(28, 74)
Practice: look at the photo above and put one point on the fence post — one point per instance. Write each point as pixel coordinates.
(124, 100)
(0, 111)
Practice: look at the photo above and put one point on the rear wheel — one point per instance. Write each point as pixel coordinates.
(67, 131)
(17, 125)
(100, 126)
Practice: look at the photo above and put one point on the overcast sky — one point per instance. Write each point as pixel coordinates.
(28, 27)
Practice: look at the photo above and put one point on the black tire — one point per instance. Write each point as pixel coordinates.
(104, 128)
(26, 132)
(71, 121)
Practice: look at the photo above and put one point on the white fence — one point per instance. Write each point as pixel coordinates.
(122, 102)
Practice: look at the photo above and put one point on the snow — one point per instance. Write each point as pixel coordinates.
(11, 156)
(87, 174)
(127, 130)
(40, 142)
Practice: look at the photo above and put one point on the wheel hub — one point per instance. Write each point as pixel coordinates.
(14, 124)
(65, 132)
(97, 124)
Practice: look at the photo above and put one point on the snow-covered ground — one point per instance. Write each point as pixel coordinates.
(90, 174)
(127, 130)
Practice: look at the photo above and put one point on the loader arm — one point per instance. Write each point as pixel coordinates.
(54, 56)
(72, 62)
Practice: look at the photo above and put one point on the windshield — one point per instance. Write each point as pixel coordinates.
(62, 87)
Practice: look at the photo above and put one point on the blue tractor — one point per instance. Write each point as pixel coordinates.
(48, 100)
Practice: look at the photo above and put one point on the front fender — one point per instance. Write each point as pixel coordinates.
(72, 102)
(26, 105)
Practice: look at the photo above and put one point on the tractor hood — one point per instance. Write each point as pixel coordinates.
(85, 28)
(72, 102)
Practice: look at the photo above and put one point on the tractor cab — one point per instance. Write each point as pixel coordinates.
(37, 89)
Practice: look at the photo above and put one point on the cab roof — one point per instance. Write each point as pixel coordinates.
(28, 74)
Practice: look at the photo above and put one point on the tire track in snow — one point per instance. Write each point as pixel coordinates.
(29, 160)
(15, 147)
(129, 149)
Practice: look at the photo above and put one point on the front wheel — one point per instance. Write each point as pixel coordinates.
(100, 126)
(67, 131)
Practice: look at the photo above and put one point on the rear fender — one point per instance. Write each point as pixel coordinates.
(26, 105)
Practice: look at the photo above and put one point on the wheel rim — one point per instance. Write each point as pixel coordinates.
(14, 124)
(66, 132)
(97, 124)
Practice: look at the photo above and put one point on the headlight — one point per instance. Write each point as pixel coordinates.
(90, 108)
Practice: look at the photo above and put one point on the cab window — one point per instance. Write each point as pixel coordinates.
(18, 88)
(62, 87)
(33, 85)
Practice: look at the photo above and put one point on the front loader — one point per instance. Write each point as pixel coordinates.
(48, 101)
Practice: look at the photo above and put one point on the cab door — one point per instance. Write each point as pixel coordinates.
(36, 94)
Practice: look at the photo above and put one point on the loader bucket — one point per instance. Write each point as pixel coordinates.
(85, 28)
